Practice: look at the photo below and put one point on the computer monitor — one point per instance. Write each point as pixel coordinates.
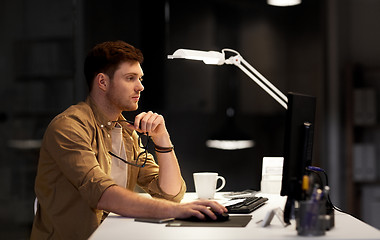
(298, 145)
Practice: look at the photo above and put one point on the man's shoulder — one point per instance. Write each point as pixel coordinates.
(81, 108)
(81, 113)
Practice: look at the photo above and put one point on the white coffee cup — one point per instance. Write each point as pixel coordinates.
(205, 184)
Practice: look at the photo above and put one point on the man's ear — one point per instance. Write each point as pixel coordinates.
(101, 81)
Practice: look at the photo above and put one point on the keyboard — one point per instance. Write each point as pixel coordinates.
(249, 205)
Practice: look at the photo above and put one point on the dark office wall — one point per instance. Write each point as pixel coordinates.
(38, 66)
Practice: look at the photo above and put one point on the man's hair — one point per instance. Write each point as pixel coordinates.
(106, 58)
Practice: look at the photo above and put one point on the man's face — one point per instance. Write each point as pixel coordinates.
(125, 87)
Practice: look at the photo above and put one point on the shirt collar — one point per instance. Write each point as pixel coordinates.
(102, 119)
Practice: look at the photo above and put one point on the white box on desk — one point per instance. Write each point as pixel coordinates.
(271, 176)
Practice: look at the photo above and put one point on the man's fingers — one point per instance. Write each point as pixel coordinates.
(215, 206)
(201, 208)
(148, 121)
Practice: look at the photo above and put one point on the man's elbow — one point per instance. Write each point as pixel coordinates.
(106, 198)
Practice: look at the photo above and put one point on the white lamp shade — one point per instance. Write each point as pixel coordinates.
(283, 3)
(208, 57)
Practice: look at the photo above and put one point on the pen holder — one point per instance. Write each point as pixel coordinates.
(310, 218)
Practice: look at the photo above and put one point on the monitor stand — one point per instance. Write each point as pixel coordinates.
(288, 209)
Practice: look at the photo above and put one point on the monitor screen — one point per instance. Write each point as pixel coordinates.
(298, 144)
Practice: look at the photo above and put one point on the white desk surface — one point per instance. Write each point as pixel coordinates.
(117, 227)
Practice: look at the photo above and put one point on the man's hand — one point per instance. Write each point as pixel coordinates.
(199, 209)
(151, 123)
(154, 125)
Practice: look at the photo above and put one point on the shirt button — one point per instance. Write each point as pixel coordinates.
(102, 126)
(109, 123)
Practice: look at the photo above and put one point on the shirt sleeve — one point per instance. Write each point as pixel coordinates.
(68, 141)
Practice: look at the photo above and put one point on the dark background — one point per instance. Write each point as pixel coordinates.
(308, 48)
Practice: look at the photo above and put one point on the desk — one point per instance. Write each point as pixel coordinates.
(117, 227)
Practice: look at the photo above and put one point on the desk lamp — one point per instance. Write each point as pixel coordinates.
(218, 58)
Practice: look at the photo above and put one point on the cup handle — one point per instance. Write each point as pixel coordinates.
(223, 183)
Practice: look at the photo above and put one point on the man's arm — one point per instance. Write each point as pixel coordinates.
(170, 179)
(127, 203)
(169, 175)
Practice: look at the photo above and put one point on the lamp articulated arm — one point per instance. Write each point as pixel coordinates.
(266, 85)
(217, 58)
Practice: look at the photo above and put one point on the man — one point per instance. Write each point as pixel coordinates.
(91, 158)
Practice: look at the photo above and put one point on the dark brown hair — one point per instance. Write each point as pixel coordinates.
(106, 58)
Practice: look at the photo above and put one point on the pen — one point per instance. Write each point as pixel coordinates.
(313, 212)
(305, 186)
(315, 192)
(326, 191)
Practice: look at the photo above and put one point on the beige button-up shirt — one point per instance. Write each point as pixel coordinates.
(74, 170)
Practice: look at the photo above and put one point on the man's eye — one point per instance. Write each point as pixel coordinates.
(134, 78)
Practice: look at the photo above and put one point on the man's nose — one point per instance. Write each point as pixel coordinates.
(140, 87)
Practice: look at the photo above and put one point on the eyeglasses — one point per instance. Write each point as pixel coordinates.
(142, 157)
